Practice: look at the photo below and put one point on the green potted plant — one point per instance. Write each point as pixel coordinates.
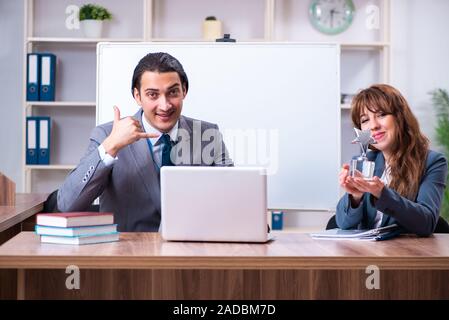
(91, 18)
(440, 99)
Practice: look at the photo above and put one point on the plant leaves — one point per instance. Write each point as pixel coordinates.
(95, 12)
(440, 100)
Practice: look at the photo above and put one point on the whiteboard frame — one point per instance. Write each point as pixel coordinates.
(102, 45)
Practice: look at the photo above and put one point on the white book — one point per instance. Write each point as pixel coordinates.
(79, 240)
(75, 231)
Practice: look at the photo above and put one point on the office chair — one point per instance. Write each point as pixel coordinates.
(332, 223)
(441, 227)
(51, 204)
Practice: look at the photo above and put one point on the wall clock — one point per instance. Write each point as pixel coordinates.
(331, 16)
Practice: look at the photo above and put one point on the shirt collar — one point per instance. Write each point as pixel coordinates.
(173, 133)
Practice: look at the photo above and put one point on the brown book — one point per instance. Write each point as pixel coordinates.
(75, 219)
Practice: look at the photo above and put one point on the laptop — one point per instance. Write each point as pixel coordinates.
(224, 204)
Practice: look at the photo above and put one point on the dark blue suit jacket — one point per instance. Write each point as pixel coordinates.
(419, 216)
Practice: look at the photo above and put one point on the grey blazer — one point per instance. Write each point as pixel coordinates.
(130, 188)
(419, 216)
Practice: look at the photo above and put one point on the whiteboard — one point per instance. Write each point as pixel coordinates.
(277, 105)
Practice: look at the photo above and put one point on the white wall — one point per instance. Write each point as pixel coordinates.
(11, 116)
(420, 54)
(420, 50)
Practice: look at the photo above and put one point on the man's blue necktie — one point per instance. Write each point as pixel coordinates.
(166, 149)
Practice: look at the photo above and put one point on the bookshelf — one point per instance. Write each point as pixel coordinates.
(365, 57)
(51, 167)
(92, 41)
(61, 104)
(73, 112)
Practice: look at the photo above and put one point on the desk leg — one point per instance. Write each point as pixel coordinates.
(20, 284)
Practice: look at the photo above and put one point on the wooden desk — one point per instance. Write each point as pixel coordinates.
(294, 266)
(13, 219)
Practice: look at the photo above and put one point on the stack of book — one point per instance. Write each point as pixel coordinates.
(76, 227)
(377, 234)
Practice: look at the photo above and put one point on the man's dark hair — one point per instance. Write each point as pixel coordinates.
(158, 62)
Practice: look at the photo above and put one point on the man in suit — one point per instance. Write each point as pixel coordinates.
(123, 160)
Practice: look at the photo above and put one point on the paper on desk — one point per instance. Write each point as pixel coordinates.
(376, 234)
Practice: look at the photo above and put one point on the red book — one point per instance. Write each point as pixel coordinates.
(75, 219)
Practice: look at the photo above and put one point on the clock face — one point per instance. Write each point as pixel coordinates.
(331, 16)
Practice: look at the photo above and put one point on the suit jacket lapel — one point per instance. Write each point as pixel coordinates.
(146, 166)
(378, 171)
(183, 124)
(379, 164)
(185, 138)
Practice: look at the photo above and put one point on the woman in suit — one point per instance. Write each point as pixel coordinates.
(409, 179)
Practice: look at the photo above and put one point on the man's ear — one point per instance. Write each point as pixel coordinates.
(137, 97)
(184, 91)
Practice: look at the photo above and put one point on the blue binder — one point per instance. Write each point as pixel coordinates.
(44, 140)
(48, 76)
(33, 76)
(277, 220)
(32, 140)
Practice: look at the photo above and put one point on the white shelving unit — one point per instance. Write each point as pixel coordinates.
(73, 112)
(93, 41)
(61, 104)
(365, 57)
(51, 167)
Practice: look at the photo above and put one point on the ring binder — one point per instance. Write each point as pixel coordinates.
(31, 140)
(38, 140)
(47, 83)
(44, 140)
(33, 77)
